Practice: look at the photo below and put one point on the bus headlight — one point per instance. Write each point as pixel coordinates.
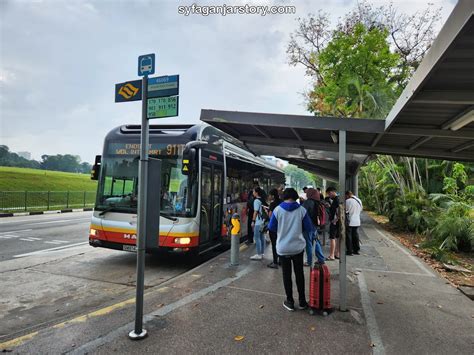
(182, 240)
(93, 232)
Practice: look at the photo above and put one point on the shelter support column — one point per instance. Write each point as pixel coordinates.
(355, 184)
(342, 215)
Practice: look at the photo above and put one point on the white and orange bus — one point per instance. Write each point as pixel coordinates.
(195, 206)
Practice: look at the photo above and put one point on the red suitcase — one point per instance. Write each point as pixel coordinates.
(320, 290)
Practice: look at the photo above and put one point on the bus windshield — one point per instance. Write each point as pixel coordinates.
(118, 187)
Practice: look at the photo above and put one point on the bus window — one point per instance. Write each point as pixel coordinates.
(118, 187)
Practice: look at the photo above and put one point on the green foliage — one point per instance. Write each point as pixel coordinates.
(358, 70)
(58, 162)
(8, 158)
(454, 228)
(441, 255)
(298, 178)
(413, 212)
(21, 179)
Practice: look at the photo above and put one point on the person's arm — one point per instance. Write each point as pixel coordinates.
(307, 224)
(273, 225)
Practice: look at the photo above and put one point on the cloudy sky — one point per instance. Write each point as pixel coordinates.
(60, 60)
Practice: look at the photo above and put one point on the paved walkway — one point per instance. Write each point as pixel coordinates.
(398, 305)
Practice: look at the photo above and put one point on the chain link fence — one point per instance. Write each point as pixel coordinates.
(45, 200)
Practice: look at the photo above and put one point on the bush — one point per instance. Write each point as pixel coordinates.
(413, 212)
(454, 228)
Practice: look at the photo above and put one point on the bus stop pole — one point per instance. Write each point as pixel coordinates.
(139, 332)
(342, 218)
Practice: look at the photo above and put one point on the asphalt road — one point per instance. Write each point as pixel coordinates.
(49, 273)
(21, 236)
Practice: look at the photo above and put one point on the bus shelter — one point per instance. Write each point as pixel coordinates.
(433, 118)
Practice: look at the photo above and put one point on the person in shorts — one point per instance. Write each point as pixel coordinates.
(334, 223)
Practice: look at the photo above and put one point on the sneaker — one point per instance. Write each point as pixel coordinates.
(303, 305)
(273, 266)
(256, 257)
(356, 253)
(289, 306)
(306, 263)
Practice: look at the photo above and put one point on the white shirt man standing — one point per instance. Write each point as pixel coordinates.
(353, 211)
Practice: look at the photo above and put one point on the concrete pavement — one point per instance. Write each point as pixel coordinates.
(397, 305)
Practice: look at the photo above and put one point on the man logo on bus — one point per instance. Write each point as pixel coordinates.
(128, 91)
(130, 236)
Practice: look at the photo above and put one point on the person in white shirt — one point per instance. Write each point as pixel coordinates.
(353, 210)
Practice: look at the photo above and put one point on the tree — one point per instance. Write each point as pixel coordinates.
(298, 178)
(359, 75)
(408, 36)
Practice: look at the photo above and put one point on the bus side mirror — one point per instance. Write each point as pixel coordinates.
(96, 168)
(190, 156)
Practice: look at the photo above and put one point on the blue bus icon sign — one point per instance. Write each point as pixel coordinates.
(146, 64)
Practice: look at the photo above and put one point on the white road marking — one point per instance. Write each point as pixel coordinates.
(34, 238)
(398, 272)
(60, 221)
(7, 236)
(21, 230)
(370, 316)
(404, 251)
(50, 250)
(118, 332)
(60, 241)
(27, 240)
(50, 242)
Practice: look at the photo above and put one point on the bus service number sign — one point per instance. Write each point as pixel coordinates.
(161, 107)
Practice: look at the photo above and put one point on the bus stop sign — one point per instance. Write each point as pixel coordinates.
(146, 64)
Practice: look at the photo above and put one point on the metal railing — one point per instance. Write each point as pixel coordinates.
(45, 200)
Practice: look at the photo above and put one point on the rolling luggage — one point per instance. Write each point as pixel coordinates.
(320, 290)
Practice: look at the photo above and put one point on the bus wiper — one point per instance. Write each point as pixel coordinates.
(109, 209)
(174, 219)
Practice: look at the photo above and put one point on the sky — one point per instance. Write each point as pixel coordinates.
(60, 61)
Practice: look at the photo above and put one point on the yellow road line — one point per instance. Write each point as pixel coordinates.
(100, 312)
(17, 341)
(80, 319)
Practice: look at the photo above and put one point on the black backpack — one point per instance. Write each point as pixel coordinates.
(263, 213)
(316, 212)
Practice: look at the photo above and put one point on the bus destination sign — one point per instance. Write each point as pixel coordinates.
(154, 149)
(161, 107)
(162, 86)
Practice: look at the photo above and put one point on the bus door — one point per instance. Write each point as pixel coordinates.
(211, 203)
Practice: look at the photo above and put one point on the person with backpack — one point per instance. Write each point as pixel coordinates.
(274, 203)
(317, 215)
(289, 220)
(353, 210)
(258, 223)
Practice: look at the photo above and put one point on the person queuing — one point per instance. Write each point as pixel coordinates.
(289, 220)
(274, 203)
(312, 205)
(334, 223)
(353, 210)
(257, 222)
(250, 213)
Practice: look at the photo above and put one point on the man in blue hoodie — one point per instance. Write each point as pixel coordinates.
(289, 220)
